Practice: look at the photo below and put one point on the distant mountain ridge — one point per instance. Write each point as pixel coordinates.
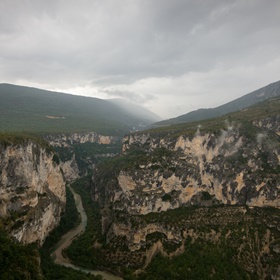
(35, 110)
(247, 100)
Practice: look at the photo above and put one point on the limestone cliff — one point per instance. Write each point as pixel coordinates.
(271, 123)
(32, 190)
(79, 152)
(64, 140)
(228, 168)
(70, 169)
(202, 169)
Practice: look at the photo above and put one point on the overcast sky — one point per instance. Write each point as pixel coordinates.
(171, 56)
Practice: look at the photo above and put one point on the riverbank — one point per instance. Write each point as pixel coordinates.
(68, 238)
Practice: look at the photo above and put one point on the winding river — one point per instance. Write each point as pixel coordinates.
(67, 239)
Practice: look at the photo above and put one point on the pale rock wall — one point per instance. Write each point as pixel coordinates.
(136, 238)
(70, 169)
(32, 191)
(64, 140)
(271, 123)
(226, 166)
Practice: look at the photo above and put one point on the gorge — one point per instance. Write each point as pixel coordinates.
(188, 201)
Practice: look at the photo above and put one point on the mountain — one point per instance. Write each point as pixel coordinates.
(247, 100)
(35, 110)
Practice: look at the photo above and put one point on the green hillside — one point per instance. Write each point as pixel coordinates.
(269, 91)
(262, 110)
(18, 261)
(27, 109)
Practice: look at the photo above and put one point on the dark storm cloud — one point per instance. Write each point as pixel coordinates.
(171, 46)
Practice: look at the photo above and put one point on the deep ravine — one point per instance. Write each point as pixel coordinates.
(68, 238)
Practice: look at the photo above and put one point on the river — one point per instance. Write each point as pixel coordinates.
(67, 239)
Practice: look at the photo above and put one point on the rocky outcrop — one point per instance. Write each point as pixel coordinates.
(79, 152)
(203, 169)
(70, 169)
(65, 140)
(271, 123)
(32, 190)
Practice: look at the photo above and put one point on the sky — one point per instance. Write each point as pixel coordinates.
(170, 56)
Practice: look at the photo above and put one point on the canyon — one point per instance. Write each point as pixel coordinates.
(170, 190)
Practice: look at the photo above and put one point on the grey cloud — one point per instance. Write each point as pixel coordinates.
(134, 40)
(105, 44)
(128, 95)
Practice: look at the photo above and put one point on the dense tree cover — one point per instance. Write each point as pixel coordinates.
(201, 260)
(17, 261)
(87, 154)
(81, 250)
(14, 138)
(69, 219)
(41, 111)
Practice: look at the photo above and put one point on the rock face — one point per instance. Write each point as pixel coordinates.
(70, 169)
(79, 152)
(203, 169)
(64, 140)
(271, 123)
(232, 167)
(32, 191)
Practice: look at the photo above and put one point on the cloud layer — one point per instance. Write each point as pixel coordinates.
(172, 56)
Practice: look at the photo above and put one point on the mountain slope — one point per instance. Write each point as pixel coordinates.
(35, 110)
(247, 100)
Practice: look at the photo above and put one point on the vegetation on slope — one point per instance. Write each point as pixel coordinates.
(269, 91)
(270, 107)
(14, 138)
(51, 271)
(18, 261)
(81, 251)
(32, 110)
(87, 154)
(222, 246)
(201, 260)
